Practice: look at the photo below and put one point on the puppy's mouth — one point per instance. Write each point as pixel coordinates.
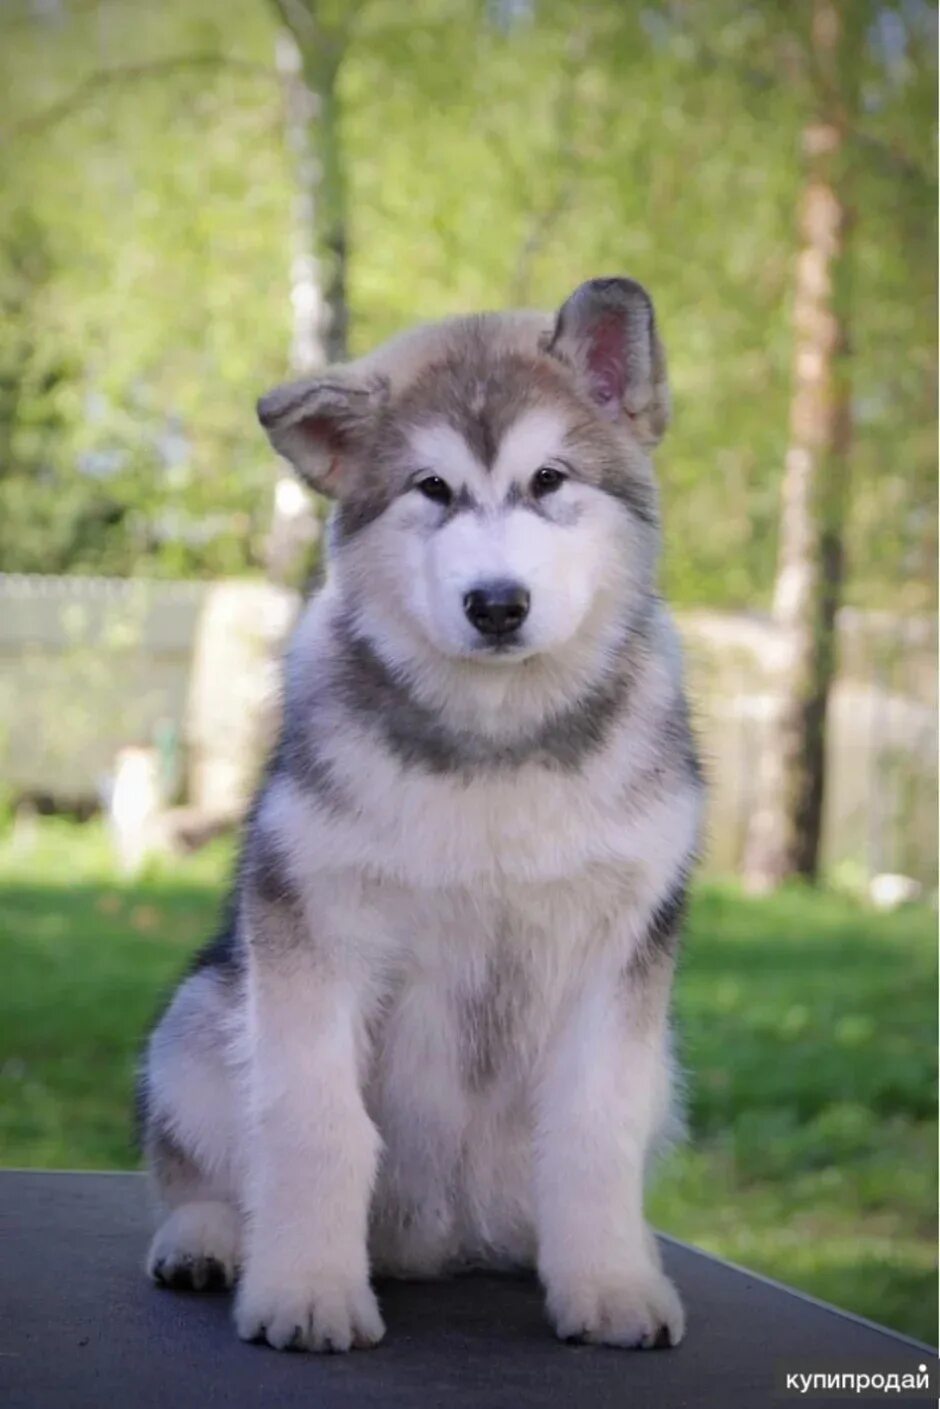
(512, 646)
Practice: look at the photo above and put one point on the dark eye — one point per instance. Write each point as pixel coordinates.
(435, 489)
(547, 480)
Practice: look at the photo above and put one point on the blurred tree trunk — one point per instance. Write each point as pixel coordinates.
(785, 833)
(309, 54)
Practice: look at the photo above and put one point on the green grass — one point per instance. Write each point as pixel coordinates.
(806, 1025)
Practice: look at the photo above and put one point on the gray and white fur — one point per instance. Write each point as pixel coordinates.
(433, 1033)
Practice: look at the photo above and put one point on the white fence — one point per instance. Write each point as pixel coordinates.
(89, 665)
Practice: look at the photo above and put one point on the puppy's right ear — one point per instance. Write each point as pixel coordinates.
(319, 423)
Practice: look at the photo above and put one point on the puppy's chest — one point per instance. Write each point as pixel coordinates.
(503, 832)
(479, 944)
(473, 980)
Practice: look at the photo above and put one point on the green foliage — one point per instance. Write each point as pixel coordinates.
(488, 163)
(40, 525)
(806, 1024)
(162, 201)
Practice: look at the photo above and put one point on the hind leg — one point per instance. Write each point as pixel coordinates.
(190, 1139)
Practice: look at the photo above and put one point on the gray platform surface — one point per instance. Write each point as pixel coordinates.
(80, 1328)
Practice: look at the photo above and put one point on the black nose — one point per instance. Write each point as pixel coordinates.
(497, 608)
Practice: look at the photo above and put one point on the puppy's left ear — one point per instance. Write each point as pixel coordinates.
(606, 332)
(323, 424)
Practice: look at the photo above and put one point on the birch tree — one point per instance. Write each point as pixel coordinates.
(786, 827)
(309, 52)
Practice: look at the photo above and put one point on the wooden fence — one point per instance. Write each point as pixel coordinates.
(90, 665)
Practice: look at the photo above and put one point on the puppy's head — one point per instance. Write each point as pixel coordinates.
(492, 474)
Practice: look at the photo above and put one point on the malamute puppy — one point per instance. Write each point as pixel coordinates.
(434, 1032)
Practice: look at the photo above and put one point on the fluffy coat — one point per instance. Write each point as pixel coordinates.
(433, 1032)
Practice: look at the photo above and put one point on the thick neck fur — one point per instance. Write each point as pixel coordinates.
(494, 709)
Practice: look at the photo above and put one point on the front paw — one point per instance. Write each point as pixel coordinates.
(639, 1311)
(329, 1314)
(197, 1248)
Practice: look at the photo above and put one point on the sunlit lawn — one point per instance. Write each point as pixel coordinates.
(806, 1025)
